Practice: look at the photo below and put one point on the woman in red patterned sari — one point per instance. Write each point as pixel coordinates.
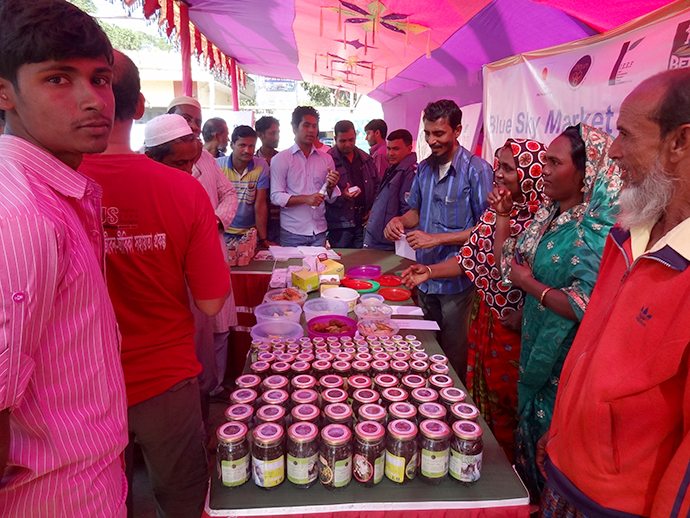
(494, 336)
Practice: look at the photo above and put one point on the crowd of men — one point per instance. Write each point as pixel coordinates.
(115, 293)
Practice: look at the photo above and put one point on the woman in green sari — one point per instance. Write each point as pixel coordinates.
(556, 260)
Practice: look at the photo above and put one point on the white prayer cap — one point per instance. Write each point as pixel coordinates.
(184, 99)
(165, 128)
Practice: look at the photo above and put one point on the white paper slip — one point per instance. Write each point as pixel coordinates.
(412, 311)
(403, 249)
(316, 250)
(428, 325)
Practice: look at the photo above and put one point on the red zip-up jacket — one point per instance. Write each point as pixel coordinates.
(619, 440)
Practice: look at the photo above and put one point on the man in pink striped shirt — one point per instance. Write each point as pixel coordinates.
(62, 398)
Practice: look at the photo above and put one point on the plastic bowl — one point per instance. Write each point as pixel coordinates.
(365, 272)
(373, 311)
(278, 294)
(377, 327)
(347, 294)
(325, 306)
(371, 298)
(278, 312)
(351, 326)
(270, 330)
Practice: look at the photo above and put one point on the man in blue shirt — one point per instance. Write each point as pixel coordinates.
(447, 197)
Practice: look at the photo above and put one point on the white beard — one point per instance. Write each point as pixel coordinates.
(645, 203)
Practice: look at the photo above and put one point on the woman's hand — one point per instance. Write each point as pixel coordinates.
(415, 275)
(519, 274)
(500, 199)
(513, 321)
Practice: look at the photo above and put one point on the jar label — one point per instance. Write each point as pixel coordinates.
(235, 472)
(465, 468)
(302, 470)
(343, 472)
(379, 466)
(268, 473)
(362, 469)
(395, 467)
(435, 463)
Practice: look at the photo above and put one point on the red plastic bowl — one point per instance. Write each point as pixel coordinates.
(351, 324)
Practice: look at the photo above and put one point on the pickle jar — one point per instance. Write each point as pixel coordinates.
(419, 356)
(302, 454)
(271, 414)
(232, 454)
(440, 381)
(431, 411)
(305, 356)
(372, 412)
(250, 381)
(369, 453)
(419, 367)
(333, 395)
(400, 368)
(402, 410)
(384, 381)
(439, 368)
(244, 397)
(400, 356)
(379, 367)
(361, 367)
(463, 412)
(320, 368)
(466, 450)
(276, 397)
(306, 412)
(358, 382)
(452, 395)
(282, 368)
(438, 358)
(382, 357)
(260, 368)
(413, 381)
(286, 357)
(268, 455)
(342, 368)
(303, 381)
(324, 355)
(401, 451)
(434, 447)
(241, 413)
(364, 355)
(303, 396)
(424, 395)
(335, 456)
(392, 395)
(275, 381)
(266, 356)
(362, 397)
(331, 381)
(300, 368)
(344, 357)
(338, 413)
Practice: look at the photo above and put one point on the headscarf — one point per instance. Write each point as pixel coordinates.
(477, 256)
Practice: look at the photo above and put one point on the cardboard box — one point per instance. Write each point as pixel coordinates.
(306, 280)
(325, 287)
(333, 268)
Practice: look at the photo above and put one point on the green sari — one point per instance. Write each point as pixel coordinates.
(564, 251)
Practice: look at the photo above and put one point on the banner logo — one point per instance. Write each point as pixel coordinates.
(579, 71)
(621, 67)
(680, 53)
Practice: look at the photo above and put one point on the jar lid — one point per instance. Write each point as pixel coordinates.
(382, 356)
(359, 381)
(467, 429)
(432, 411)
(260, 366)
(266, 356)
(248, 381)
(321, 365)
(276, 381)
(364, 357)
(413, 381)
(304, 396)
(256, 342)
(331, 381)
(293, 350)
(275, 396)
(344, 357)
(394, 394)
(268, 433)
(386, 380)
(424, 394)
(384, 338)
(399, 365)
(390, 348)
(360, 366)
(280, 366)
(402, 429)
(303, 432)
(419, 356)
(402, 410)
(372, 412)
(270, 413)
(404, 348)
(304, 357)
(375, 349)
(397, 338)
(439, 368)
(231, 432)
(305, 412)
(465, 411)
(303, 381)
(325, 355)
(379, 365)
(370, 430)
(276, 341)
(341, 366)
(318, 339)
(441, 380)
(300, 366)
(286, 357)
(238, 412)
(304, 339)
(332, 339)
(336, 434)
(365, 395)
(400, 355)
(387, 343)
(244, 395)
(434, 429)
(338, 411)
(419, 365)
(410, 337)
(453, 394)
(438, 358)
(334, 395)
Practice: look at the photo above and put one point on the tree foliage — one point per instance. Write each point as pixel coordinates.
(325, 96)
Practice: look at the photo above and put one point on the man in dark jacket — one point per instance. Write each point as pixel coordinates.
(391, 199)
(358, 183)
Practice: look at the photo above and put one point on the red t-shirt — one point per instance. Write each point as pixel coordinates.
(160, 231)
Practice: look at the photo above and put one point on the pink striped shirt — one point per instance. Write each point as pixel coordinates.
(60, 371)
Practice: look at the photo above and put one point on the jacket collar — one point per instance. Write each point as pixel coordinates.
(674, 254)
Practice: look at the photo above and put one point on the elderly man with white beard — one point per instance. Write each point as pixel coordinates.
(619, 442)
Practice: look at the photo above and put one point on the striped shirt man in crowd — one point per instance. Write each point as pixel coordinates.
(62, 396)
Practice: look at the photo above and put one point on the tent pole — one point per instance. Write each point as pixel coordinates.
(235, 86)
(185, 50)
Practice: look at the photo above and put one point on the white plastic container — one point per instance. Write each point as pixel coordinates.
(278, 295)
(325, 306)
(373, 311)
(371, 298)
(347, 294)
(278, 312)
(270, 330)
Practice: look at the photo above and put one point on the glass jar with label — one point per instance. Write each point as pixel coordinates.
(338, 413)
(372, 412)
(379, 367)
(344, 357)
(250, 381)
(306, 412)
(434, 447)
(303, 381)
(305, 356)
(275, 381)
(302, 454)
(244, 397)
(342, 368)
(419, 367)
(413, 381)
(324, 355)
(369, 453)
(276, 397)
(331, 381)
(439, 368)
(320, 368)
(401, 451)
(400, 368)
(282, 368)
(392, 395)
(382, 356)
(419, 356)
(335, 456)
(364, 355)
(439, 381)
(268, 455)
(402, 410)
(241, 413)
(452, 395)
(362, 397)
(232, 455)
(438, 358)
(431, 411)
(285, 357)
(361, 368)
(260, 368)
(423, 395)
(333, 395)
(300, 367)
(463, 411)
(384, 381)
(466, 451)
(271, 414)
(303, 396)
(358, 382)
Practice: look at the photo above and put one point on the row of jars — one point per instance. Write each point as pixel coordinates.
(431, 452)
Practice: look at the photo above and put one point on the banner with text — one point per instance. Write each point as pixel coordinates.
(538, 94)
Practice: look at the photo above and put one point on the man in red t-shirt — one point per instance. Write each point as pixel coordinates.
(161, 235)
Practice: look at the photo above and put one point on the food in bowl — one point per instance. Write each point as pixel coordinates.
(289, 294)
(377, 327)
(333, 326)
